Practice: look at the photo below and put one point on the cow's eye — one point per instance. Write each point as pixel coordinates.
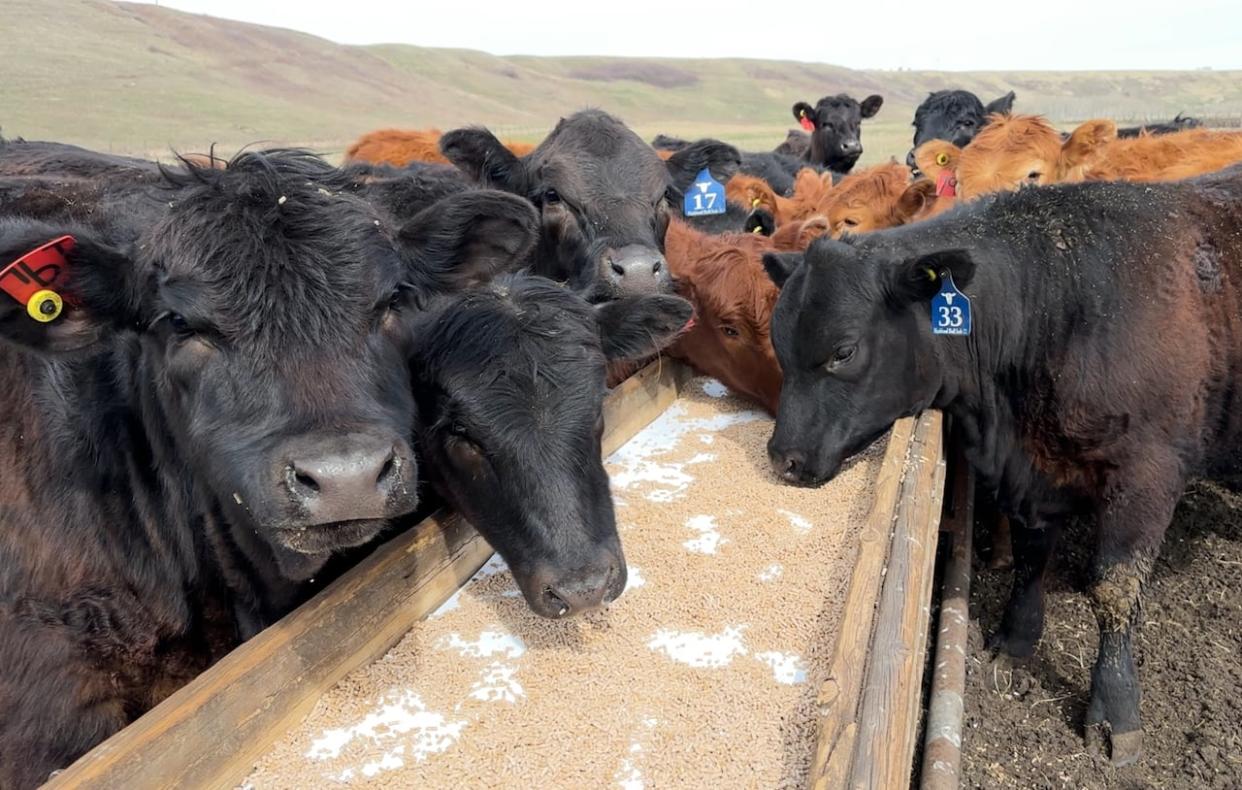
(179, 325)
(396, 300)
(729, 331)
(1034, 175)
(968, 122)
(850, 222)
(841, 356)
(551, 197)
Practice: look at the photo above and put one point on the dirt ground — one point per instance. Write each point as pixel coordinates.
(1023, 727)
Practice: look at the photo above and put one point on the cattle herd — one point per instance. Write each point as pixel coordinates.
(225, 379)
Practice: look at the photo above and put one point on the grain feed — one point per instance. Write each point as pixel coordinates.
(703, 674)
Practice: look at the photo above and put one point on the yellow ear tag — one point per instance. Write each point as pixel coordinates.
(45, 306)
(801, 113)
(754, 202)
(757, 229)
(942, 159)
(931, 274)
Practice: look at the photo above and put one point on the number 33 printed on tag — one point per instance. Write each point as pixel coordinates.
(950, 309)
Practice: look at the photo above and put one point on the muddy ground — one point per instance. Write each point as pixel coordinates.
(1023, 727)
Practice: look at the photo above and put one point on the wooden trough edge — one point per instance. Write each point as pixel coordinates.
(869, 706)
(210, 732)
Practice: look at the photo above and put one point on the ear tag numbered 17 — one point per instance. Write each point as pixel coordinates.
(950, 309)
(705, 197)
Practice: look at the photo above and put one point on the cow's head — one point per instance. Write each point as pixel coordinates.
(603, 195)
(836, 128)
(1020, 150)
(877, 197)
(723, 278)
(509, 380)
(954, 116)
(853, 336)
(263, 314)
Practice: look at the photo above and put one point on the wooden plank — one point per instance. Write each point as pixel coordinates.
(638, 400)
(839, 696)
(209, 733)
(889, 711)
(942, 749)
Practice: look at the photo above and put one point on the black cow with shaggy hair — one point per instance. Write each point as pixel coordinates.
(955, 116)
(223, 405)
(509, 382)
(1100, 373)
(603, 195)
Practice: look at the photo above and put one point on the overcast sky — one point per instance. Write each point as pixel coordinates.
(936, 34)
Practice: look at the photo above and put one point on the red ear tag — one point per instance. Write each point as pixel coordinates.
(946, 184)
(806, 123)
(35, 278)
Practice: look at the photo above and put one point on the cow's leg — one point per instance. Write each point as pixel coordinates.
(1033, 541)
(1132, 521)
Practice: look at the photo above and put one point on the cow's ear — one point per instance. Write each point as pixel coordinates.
(1003, 105)
(482, 157)
(934, 156)
(638, 326)
(721, 159)
(916, 197)
(871, 105)
(920, 278)
(1083, 142)
(803, 110)
(67, 297)
(468, 238)
(780, 266)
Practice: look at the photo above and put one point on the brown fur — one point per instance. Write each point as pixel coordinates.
(400, 147)
(1025, 149)
(723, 277)
(875, 197)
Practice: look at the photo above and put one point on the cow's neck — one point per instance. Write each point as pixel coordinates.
(992, 378)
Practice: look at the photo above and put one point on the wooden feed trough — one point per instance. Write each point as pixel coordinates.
(212, 732)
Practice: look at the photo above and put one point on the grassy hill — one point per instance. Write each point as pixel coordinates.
(141, 79)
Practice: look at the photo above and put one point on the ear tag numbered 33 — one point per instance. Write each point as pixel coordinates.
(950, 309)
(705, 197)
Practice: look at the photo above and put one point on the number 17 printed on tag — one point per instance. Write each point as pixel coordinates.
(705, 197)
(950, 309)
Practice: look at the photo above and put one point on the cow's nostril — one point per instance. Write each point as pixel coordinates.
(305, 481)
(655, 267)
(617, 268)
(387, 469)
(555, 602)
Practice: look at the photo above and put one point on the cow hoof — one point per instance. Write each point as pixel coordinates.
(1016, 650)
(1121, 749)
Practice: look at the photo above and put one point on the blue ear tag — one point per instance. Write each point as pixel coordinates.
(705, 197)
(950, 309)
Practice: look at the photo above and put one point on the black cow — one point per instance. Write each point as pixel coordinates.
(1179, 123)
(778, 168)
(797, 144)
(1101, 371)
(224, 403)
(836, 134)
(955, 116)
(509, 382)
(603, 195)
